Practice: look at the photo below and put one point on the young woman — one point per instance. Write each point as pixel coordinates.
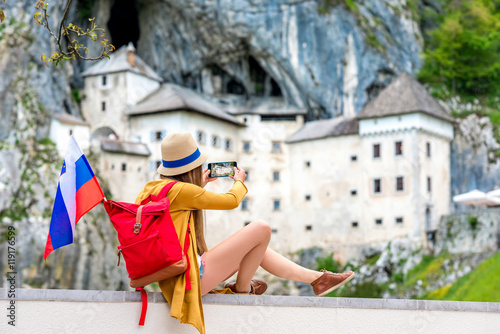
(242, 252)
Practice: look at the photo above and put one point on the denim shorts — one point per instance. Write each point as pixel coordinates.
(201, 264)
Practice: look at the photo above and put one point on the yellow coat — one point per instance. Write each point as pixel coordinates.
(184, 197)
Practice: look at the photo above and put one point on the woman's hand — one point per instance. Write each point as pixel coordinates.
(239, 174)
(205, 178)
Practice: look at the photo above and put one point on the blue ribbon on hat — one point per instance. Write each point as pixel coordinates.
(182, 162)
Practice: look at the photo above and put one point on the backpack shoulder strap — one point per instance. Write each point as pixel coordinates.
(163, 193)
(166, 189)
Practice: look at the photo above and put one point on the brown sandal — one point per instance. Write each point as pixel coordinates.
(258, 287)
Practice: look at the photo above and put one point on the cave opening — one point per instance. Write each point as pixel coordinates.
(257, 75)
(123, 23)
(234, 87)
(264, 84)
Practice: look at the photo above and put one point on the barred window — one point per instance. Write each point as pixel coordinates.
(377, 186)
(376, 150)
(399, 183)
(399, 148)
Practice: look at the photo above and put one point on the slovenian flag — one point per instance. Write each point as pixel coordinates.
(77, 193)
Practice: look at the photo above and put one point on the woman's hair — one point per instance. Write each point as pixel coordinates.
(194, 177)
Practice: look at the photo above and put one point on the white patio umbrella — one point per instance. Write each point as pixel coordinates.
(494, 193)
(476, 198)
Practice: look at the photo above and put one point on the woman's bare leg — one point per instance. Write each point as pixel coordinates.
(242, 251)
(280, 266)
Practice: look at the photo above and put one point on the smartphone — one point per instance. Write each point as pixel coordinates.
(221, 169)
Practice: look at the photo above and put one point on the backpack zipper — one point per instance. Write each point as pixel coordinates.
(121, 248)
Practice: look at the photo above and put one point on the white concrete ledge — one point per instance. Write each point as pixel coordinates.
(44, 311)
(263, 300)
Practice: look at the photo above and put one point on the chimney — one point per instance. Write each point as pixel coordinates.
(131, 54)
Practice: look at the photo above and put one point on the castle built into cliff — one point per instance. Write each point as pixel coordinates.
(344, 184)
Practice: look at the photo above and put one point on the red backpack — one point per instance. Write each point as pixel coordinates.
(148, 242)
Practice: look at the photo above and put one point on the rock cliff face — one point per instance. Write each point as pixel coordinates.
(329, 57)
(30, 165)
(474, 158)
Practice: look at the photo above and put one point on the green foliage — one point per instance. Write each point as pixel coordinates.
(412, 7)
(352, 7)
(76, 95)
(462, 52)
(373, 259)
(85, 8)
(480, 285)
(328, 263)
(472, 222)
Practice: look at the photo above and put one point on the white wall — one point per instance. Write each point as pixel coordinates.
(332, 176)
(124, 185)
(251, 314)
(114, 94)
(138, 87)
(61, 132)
(418, 121)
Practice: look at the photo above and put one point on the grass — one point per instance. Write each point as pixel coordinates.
(480, 285)
(425, 271)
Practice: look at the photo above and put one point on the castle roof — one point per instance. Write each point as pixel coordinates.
(332, 127)
(119, 146)
(118, 62)
(69, 119)
(269, 106)
(404, 95)
(171, 97)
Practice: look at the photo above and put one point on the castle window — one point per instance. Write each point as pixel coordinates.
(399, 183)
(158, 136)
(354, 158)
(429, 188)
(274, 230)
(377, 186)
(378, 221)
(428, 149)
(228, 145)
(276, 205)
(308, 197)
(124, 167)
(376, 150)
(276, 175)
(244, 205)
(103, 106)
(215, 141)
(201, 137)
(309, 227)
(399, 220)
(104, 80)
(70, 132)
(354, 224)
(308, 164)
(246, 146)
(354, 192)
(246, 223)
(399, 148)
(276, 147)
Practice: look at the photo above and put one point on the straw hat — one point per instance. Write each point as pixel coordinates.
(179, 154)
